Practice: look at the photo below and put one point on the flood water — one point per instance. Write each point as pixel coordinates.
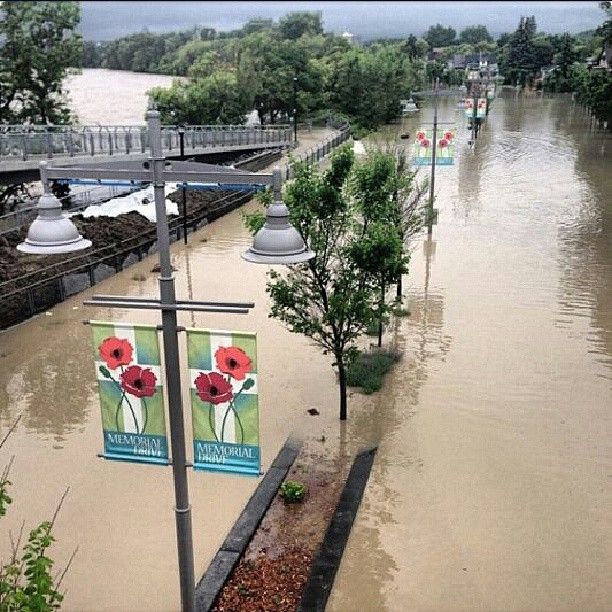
(491, 487)
(491, 482)
(111, 97)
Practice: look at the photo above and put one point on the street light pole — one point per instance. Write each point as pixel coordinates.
(181, 133)
(432, 183)
(173, 381)
(278, 242)
(295, 111)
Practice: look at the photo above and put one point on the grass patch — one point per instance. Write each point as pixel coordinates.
(398, 311)
(372, 329)
(368, 369)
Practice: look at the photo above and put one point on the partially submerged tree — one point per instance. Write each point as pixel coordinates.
(330, 299)
(26, 581)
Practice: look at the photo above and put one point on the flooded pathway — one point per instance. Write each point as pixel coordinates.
(491, 487)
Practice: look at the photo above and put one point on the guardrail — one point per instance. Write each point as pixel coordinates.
(25, 142)
(318, 152)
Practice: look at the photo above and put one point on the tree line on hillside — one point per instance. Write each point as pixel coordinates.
(274, 67)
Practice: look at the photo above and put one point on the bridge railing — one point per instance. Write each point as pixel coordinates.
(25, 142)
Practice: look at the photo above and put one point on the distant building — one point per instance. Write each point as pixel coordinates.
(458, 62)
(481, 66)
(435, 54)
(605, 59)
(349, 37)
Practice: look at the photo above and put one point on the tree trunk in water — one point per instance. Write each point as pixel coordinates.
(380, 317)
(342, 379)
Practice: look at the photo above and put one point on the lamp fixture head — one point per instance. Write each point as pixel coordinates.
(277, 242)
(51, 232)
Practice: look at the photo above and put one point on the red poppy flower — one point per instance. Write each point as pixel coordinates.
(420, 135)
(138, 381)
(425, 143)
(116, 352)
(448, 135)
(233, 361)
(442, 143)
(213, 388)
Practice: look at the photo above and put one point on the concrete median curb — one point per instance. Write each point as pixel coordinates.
(327, 561)
(215, 577)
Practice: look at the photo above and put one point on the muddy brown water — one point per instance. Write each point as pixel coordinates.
(491, 487)
(491, 481)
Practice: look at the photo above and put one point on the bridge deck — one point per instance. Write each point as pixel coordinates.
(23, 148)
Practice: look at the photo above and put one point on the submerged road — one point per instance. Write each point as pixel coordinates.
(491, 486)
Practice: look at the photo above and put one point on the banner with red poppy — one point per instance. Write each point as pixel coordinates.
(128, 368)
(481, 110)
(445, 147)
(224, 401)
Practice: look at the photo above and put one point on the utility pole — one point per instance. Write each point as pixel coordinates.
(474, 114)
(432, 183)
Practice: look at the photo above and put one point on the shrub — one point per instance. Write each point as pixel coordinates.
(368, 370)
(292, 491)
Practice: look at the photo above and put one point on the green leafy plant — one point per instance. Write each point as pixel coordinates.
(292, 491)
(26, 581)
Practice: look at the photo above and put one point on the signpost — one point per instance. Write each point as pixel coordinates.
(426, 147)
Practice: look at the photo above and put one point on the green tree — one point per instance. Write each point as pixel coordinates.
(368, 84)
(474, 34)
(26, 582)
(296, 24)
(329, 299)
(523, 56)
(214, 99)
(599, 95)
(440, 36)
(564, 59)
(38, 43)
(380, 251)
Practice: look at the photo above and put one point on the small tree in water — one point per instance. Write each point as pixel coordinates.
(26, 582)
(330, 299)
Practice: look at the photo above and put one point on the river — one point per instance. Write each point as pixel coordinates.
(489, 489)
(111, 97)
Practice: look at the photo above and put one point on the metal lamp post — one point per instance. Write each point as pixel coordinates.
(181, 133)
(279, 243)
(430, 212)
(295, 111)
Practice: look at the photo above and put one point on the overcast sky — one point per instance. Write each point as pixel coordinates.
(106, 20)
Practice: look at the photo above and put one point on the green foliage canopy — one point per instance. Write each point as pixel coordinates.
(38, 43)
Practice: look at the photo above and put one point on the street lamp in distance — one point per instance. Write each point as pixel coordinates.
(295, 110)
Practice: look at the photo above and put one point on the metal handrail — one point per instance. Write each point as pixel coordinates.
(48, 141)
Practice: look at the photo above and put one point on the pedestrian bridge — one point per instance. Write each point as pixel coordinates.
(22, 148)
